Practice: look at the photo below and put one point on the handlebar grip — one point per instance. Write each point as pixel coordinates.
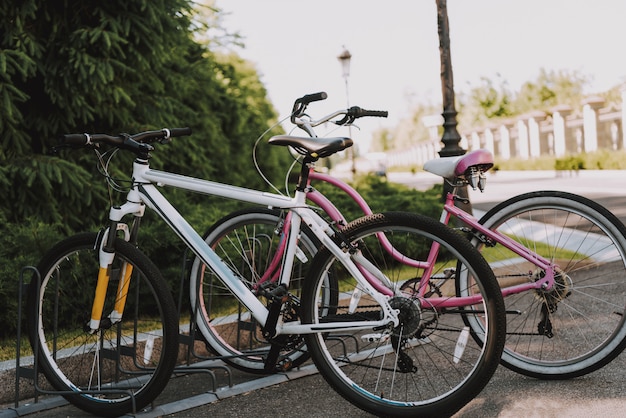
(377, 113)
(315, 97)
(75, 139)
(180, 132)
(358, 112)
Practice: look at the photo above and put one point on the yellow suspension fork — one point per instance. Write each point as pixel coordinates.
(106, 256)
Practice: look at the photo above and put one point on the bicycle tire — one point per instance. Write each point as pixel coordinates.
(116, 370)
(585, 311)
(246, 240)
(421, 379)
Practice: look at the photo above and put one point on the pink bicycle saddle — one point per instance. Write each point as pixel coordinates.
(458, 166)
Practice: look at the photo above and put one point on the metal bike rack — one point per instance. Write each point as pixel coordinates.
(33, 373)
(190, 339)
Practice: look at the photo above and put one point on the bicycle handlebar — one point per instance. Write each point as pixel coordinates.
(138, 143)
(349, 115)
(356, 112)
(314, 97)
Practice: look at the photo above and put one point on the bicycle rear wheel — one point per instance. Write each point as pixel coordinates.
(120, 367)
(423, 367)
(578, 326)
(247, 240)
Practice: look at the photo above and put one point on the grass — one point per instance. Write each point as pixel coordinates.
(8, 346)
(499, 253)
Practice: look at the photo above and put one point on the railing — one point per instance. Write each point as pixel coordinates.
(559, 132)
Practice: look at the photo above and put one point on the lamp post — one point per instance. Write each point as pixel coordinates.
(344, 59)
(451, 136)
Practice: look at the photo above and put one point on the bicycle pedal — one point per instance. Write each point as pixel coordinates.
(284, 365)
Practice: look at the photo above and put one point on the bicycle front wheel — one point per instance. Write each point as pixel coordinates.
(122, 366)
(249, 242)
(424, 366)
(578, 326)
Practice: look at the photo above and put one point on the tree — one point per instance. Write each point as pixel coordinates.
(486, 101)
(551, 88)
(115, 66)
(111, 67)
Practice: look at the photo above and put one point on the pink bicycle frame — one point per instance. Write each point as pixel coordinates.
(546, 282)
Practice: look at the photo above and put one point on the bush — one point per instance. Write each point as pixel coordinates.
(25, 244)
(383, 196)
(571, 163)
(21, 245)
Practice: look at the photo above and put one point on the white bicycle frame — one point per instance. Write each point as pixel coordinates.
(145, 192)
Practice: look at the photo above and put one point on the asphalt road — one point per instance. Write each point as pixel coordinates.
(305, 394)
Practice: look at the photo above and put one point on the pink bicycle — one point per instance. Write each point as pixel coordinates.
(560, 260)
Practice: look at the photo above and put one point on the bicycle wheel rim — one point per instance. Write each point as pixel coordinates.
(247, 241)
(578, 326)
(122, 367)
(423, 377)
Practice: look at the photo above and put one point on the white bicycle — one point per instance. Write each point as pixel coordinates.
(102, 317)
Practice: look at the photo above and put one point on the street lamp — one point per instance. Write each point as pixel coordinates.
(344, 59)
(451, 136)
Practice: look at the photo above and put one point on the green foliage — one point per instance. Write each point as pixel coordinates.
(604, 160)
(112, 67)
(487, 101)
(108, 67)
(493, 99)
(570, 163)
(538, 163)
(551, 88)
(382, 141)
(21, 245)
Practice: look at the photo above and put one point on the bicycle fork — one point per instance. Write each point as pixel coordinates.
(106, 255)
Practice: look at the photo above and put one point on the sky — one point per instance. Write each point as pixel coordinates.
(395, 48)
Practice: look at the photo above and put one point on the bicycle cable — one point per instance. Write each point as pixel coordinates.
(254, 155)
(297, 159)
(113, 184)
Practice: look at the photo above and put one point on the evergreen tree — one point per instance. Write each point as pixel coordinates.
(72, 66)
(115, 66)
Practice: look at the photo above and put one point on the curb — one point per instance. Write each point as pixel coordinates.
(176, 406)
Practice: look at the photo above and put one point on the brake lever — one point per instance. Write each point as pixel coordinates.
(347, 120)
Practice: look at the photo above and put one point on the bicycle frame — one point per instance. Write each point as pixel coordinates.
(546, 282)
(145, 192)
(449, 210)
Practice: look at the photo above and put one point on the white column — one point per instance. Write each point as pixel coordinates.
(534, 136)
(590, 122)
(475, 142)
(522, 135)
(464, 142)
(489, 141)
(559, 113)
(505, 143)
